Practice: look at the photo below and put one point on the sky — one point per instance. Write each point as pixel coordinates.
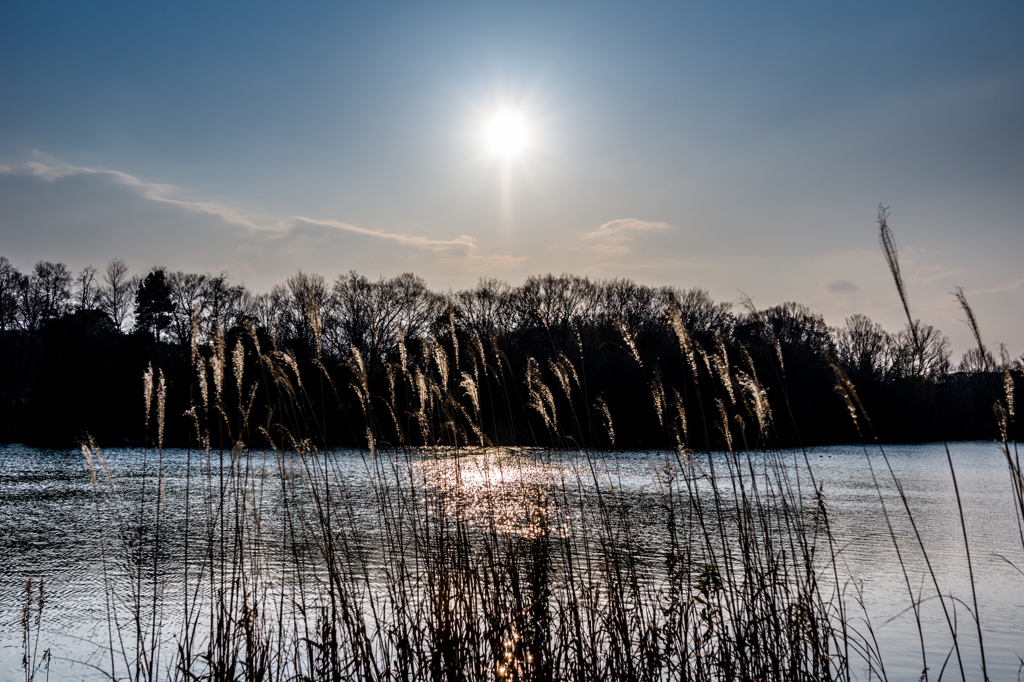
(744, 147)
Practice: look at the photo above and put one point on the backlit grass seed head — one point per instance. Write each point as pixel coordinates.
(778, 354)
(571, 369)
(276, 363)
(219, 357)
(147, 390)
(628, 338)
(403, 356)
(542, 317)
(421, 389)
(658, 393)
(721, 362)
(389, 370)
(681, 412)
(739, 420)
(251, 330)
(479, 346)
(844, 387)
(888, 242)
(563, 377)
(1004, 431)
(441, 360)
(87, 452)
(1007, 379)
(541, 398)
(469, 386)
(289, 360)
(421, 418)
(708, 365)
(972, 321)
(841, 390)
(602, 409)
(724, 425)
(161, 403)
(497, 355)
(273, 335)
(203, 389)
(96, 453)
(758, 399)
(237, 363)
(361, 385)
(217, 370)
(359, 369)
(675, 321)
(191, 412)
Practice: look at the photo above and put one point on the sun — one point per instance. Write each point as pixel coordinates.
(506, 134)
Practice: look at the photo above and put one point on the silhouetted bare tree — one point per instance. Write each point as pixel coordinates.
(117, 292)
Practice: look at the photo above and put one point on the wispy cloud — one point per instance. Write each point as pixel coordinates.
(839, 286)
(615, 237)
(296, 238)
(1017, 285)
(933, 273)
(462, 242)
(53, 171)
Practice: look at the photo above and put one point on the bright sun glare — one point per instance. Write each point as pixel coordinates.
(506, 134)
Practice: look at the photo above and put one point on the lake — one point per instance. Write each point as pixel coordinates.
(56, 527)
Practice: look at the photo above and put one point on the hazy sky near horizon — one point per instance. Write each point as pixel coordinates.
(739, 146)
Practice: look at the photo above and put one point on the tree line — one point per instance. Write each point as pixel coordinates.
(75, 346)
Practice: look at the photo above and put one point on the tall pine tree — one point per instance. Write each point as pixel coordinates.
(154, 308)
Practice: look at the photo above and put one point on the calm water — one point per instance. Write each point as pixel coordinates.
(53, 527)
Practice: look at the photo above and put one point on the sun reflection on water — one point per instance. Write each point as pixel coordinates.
(514, 491)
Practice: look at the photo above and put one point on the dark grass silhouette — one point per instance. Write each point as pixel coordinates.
(487, 557)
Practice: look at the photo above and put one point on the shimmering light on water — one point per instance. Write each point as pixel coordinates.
(53, 527)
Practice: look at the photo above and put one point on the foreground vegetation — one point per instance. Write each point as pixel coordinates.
(456, 581)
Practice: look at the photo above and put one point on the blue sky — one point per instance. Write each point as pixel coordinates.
(736, 146)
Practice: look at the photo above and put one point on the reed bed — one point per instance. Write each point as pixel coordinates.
(479, 562)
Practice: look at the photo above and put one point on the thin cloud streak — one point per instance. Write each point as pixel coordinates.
(147, 190)
(163, 193)
(615, 237)
(462, 241)
(1013, 286)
